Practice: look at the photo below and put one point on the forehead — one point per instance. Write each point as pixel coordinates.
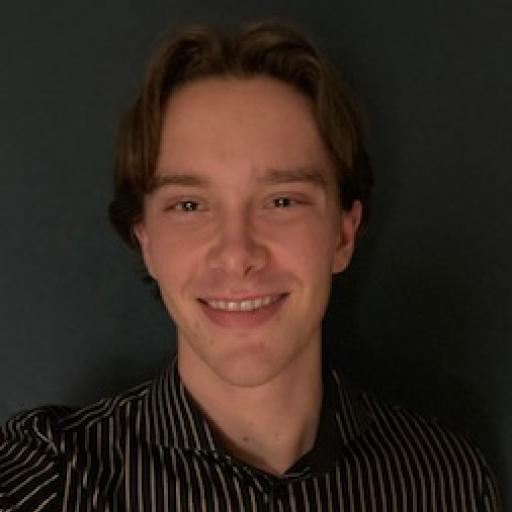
(230, 123)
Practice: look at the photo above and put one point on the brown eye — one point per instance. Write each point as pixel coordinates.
(185, 206)
(284, 202)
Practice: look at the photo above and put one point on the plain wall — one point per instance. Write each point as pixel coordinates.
(424, 315)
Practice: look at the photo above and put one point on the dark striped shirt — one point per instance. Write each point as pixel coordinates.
(150, 449)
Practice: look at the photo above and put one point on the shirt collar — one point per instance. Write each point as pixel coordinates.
(171, 418)
(342, 420)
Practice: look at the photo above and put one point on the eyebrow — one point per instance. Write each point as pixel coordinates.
(271, 177)
(284, 176)
(181, 179)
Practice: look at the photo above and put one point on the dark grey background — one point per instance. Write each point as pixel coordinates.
(422, 318)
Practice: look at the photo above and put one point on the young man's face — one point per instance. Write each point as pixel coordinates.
(246, 213)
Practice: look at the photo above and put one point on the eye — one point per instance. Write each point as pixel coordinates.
(186, 206)
(285, 202)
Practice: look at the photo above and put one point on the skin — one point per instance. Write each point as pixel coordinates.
(226, 230)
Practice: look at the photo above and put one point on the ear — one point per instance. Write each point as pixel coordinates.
(142, 236)
(349, 224)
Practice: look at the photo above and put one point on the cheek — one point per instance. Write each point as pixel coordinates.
(307, 253)
(313, 244)
(171, 261)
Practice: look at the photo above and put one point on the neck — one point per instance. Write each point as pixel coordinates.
(268, 426)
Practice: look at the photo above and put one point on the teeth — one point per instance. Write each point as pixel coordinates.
(244, 305)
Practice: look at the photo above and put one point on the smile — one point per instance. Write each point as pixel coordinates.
(243, 305)
(243, 314)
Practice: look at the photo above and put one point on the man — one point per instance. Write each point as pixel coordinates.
(242, 181)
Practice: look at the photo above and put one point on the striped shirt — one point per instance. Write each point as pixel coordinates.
(150, 450)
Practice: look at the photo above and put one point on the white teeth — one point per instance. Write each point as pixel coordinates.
(244, 305)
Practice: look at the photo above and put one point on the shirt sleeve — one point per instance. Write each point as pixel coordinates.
(30, 462)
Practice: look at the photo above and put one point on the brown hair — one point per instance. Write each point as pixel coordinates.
(268, 48)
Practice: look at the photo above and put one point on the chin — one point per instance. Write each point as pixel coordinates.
(251, 368)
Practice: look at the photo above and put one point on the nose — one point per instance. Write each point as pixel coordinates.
(236, 249)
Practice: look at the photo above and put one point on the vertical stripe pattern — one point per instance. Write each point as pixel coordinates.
(151, 450)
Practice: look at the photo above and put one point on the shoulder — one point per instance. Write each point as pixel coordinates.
(29, 458)
(425, 448)
(415, 434)
(35, 429)
(119, 409)
(37, 445)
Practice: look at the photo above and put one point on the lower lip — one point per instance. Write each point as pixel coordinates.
(243, 319)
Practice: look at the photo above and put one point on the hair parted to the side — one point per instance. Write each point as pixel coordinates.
(265, 48)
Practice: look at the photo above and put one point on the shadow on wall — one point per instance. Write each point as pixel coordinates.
(114, 375)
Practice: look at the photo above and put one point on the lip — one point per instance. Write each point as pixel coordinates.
(242, 319)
